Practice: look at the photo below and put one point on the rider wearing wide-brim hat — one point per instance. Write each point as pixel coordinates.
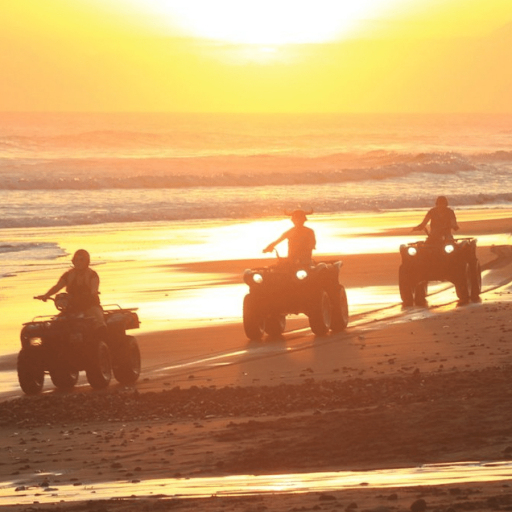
(301, 240)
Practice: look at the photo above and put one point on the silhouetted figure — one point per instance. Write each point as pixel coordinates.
(301, 240)
(82, 286)
(442, 220)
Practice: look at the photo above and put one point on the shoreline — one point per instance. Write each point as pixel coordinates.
(418, 386)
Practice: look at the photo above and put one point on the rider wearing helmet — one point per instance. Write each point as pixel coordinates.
(82, 285)
(442, 220)
(301, 240)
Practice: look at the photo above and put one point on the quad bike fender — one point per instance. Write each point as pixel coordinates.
(121, 319)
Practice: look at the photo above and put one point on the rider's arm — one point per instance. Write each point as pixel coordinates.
(425, 221)
(271, 247)
(453, 222)
(54, 289)
(95, 284)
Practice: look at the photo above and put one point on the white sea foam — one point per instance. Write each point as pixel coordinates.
(16, 256)
(41, 250)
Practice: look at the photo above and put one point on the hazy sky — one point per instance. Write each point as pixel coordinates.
(256, 56)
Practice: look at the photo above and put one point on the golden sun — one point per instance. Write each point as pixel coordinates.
(263, 22)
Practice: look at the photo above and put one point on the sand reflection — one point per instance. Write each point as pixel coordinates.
(239, 485)
(148, 265)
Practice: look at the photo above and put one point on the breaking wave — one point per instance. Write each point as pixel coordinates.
(106, 207)
(35, 251)
(261, 170)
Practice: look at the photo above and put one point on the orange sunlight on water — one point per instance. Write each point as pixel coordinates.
(243, 485)
(145, 265)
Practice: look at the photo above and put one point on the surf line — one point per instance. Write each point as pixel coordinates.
(245, 485)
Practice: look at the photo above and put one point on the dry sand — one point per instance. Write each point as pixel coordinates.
(425, 386)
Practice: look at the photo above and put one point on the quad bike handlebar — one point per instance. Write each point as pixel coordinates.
(417, 228)
(43, 298)
(60, 300)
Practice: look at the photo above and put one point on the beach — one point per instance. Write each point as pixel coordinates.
(400, 388)
(173, 142)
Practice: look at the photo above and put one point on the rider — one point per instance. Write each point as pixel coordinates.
(442, 220)
(82, 285)
(301, 240)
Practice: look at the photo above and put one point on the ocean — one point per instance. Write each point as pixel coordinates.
(72, 169)
(75, 170)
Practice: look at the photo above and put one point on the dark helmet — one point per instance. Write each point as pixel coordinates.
(82, 254)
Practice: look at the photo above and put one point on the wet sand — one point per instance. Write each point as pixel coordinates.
(422, 386)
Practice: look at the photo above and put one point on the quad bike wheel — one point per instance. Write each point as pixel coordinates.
(420, 293)
(99, 368)
(339, 310)
(475, 281)
(254, 322)
(462, 284)
(320, 314)
(30, 373)
(63, 378)
(275, 325)
(405, 286)
(127, 367)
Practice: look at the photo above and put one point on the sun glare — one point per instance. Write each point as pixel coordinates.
(263, 22)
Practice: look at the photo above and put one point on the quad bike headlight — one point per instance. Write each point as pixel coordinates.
(62, 301)
(252, 277)
(257, 278)
(412, 251)
(30, 335)
(448, 249)
(301, 274)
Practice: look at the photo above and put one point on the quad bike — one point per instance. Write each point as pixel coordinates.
(452, 260)
(284, 289)
(67, 343)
